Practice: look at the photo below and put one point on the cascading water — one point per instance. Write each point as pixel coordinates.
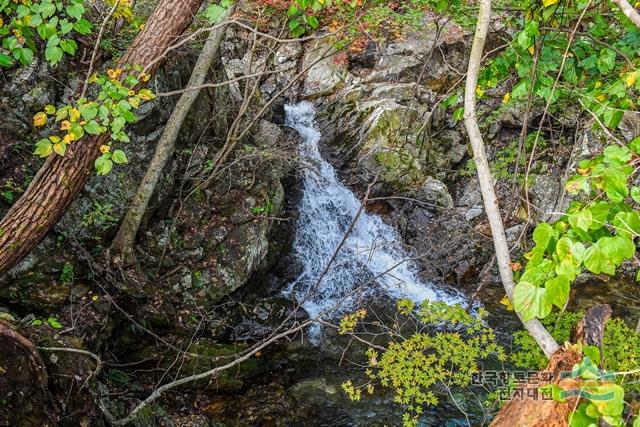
(371, 257)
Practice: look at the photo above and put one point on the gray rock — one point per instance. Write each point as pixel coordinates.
(630, 125)
(473, 213)
(325, 76)
(435, 193)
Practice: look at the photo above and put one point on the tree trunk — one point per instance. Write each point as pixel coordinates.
(125, 238)
(534, 327)
(61, 178)
(629, 11)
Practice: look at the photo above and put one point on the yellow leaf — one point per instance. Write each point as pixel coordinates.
(598, 84)
(1, 23)
(49, 109)
(69, 138)
(631, 78)
(59, 148)
(104, 149)
(39, 119)
(506, 97)
(54, 139)
(74, 114)
(531, 50)
(637, 5)
(601, 97)
(547, 3)
(507, 303)
(479, 91)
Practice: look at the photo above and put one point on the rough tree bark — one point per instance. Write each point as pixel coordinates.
(534, 327)
(537, 412)
(122, 244)
(61, 179)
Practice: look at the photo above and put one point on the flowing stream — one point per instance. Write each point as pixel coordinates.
(344, 260)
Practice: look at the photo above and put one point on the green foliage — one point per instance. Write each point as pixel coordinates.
(112, 109)
(446, 349)
(597, 235)
(621, 346)
(602, 76)
(28, 26)
(215, 11)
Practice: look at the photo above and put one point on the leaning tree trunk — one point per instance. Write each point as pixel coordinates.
(534, 327)
(61, 178)
(122, 244)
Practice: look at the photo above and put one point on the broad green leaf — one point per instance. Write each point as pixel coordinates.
(596, 262)
(119, 157)
(599, 213)
(579, 417)
(543, 234)
(627, 224)
(103, 165)
(617, 249)
(44, 148)
(5, 60)
(88, 111)
(558, 290)
(581, 219)
(53, 54)
(93, 128)
(531, 301)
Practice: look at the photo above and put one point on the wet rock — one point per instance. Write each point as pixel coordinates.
(388, 148)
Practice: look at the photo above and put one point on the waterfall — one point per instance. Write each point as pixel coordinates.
(371, 258)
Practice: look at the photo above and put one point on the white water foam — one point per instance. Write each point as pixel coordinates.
(370, 258)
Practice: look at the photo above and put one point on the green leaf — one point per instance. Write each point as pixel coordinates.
(54, 323)
(23, 55)
(119, 157)
(581, 219)
(599, 213)
(214, 12)
(93, 128)
(53, 54)
(83, 27)
(596, 262)
(616, 153)
(103, 165)
(75, 10)
(617, 249)
(69, 46)
(313, 22)
(293, 9)
(543, 234)
(5, 60)
(634, 145)
(627, 224)
(88, 111)
(558, 290)
(635, 194)
(579, 417)
(531, 301)
(44, 148)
